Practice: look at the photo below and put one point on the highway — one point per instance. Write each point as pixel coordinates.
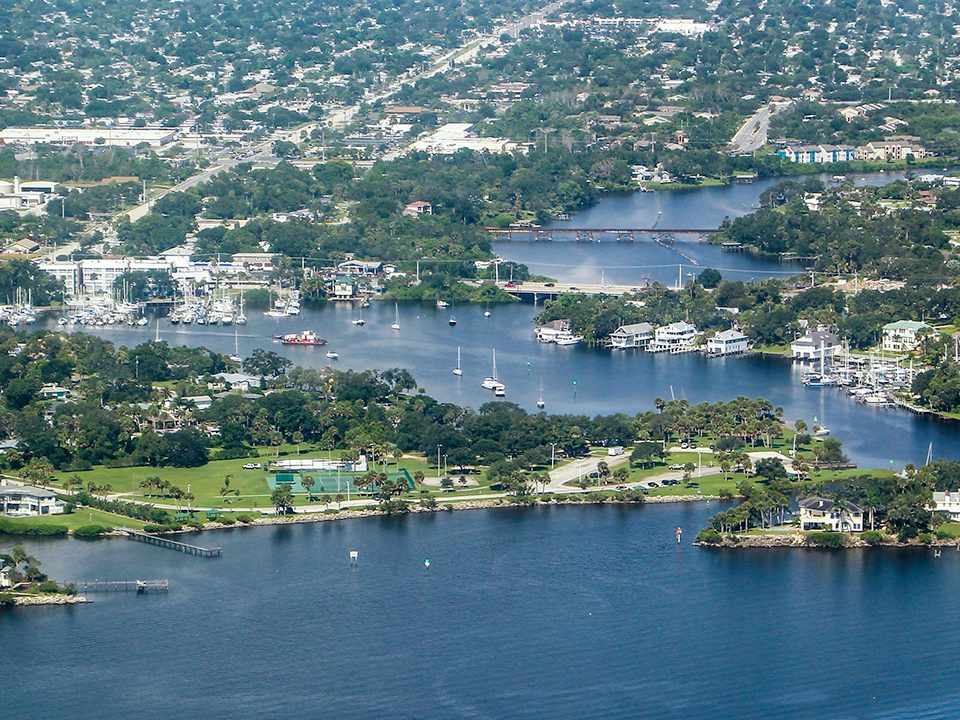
(752, 135)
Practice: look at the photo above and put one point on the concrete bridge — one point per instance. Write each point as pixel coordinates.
(536, 292)
(587, 234)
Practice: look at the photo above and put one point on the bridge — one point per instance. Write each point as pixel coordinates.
(587, 234)
(538, 291)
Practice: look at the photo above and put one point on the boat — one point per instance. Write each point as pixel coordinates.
(396, 317)
(333, 354)
(306, 337)
(540, 403)
(236, 347)
(568, 339)
(486, 312)
(442, 304)
(491, 382)
(141, 322)
(839, 178)
(457, 370)
(452, 321)
(500, 391)
(365, 303)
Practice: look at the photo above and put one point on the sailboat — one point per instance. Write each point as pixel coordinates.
(359, 320)
(156, 335)
(241, 318)
(540, 403)
(491, 382)
(453, 319)
(457, 370)
(236, 347)
(396, 317)
(486, 313)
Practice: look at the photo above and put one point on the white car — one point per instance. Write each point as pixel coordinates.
(676, 467)
(252, 466)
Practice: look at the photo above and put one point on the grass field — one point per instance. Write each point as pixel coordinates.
(82, 516)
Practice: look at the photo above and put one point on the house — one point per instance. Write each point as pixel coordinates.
(200, 402)
(727, 342)
(818, 513)
(675, 337)
(806, 154)
(635, 335)
(904, 335)
(344, 288)
(239, 381)
(53, 392)
(360, 267)
(817, 344)
(947, 502)
(557, 331)
(26, 501)
(418, 208)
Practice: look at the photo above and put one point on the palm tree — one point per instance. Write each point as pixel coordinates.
(338, 499)
(308, 482)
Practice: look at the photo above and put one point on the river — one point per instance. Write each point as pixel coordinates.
(635, 263)
(569, 612)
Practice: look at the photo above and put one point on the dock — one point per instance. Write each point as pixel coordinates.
(138, 586)
(174, 545)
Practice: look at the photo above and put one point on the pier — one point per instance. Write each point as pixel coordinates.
(174, 545)
(138, 586)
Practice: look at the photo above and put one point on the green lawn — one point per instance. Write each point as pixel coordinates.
(82, 516)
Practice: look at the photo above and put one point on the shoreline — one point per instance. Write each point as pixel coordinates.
(48, 600)
(799, 541)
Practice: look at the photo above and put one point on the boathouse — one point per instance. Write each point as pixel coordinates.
(635, 335)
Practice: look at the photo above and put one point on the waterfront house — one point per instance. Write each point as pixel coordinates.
(727, 342)
(557, 331)
(675, 337)
(947, 502)
(904, 335)
(815, 345)
(27, 501)
(809, 154)
(818, 513)
(635, 335)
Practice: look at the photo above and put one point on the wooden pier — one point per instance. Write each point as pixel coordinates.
(174, 545)
(138, 586)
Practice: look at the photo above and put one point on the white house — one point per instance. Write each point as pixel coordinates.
(26, 500)
(675, 337)
(904, 335)
(239, 381)
(727, 342)
(418, 209)
(635, 335)
(815, 345)
(818, 513)
(948, 502)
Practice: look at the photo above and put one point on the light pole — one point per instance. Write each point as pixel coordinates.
(439, 445)
(189, 500)
(699, 463)
(553, 455)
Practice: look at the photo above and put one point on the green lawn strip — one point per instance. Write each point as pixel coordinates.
(82, 516)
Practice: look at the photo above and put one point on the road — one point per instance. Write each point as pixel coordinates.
(752, 135)
(342, 116)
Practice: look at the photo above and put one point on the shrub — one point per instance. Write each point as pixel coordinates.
(91, 530)
(709, 536)
(227, 520)
(726, 494)
(231, 453)
(925, 537)
(195, 524)
(245, 518)
(825, 539)
(172, 526)
(873, 537)
(9, 527)
(6, 600)
(151, 528)
(51, 588)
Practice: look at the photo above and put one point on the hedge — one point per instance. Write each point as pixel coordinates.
(825, 539)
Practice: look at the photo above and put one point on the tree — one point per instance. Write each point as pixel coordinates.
(646, 452)
(603, 470)
(709, 278)
(266, 363)
(38, 471)
(282, 498)
(308, 482)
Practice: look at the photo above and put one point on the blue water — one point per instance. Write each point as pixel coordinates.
(645, 260)
(606, 382)
(566, 612)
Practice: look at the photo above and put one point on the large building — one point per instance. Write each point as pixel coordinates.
(113, 137)
(904, 335)
(811, 154)
(26, 500)
(97, 276)
(817, 513)
(892, 148)
(727, 342)
(818, 344)
(634, 335)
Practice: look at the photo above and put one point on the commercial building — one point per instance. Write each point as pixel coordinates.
(97, 276)
(727, 342)
(892, 148)
(904, 335)
(453, 137)
(817, 513)
(23, 195)
(112, 137)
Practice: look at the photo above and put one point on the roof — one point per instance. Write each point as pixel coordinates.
(815, 337)
(634, 328)
(681, 326)
(730, 335)
(21, 490)
(906, 325)
(235, 378)
(826, 505)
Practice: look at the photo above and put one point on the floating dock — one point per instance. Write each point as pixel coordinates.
(139, 586)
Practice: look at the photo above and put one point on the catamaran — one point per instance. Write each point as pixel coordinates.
(491, 382)
(457, 370)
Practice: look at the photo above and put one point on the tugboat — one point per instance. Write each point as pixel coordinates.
(306, 337)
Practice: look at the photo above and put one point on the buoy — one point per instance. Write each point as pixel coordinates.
(354, 555)
(426, 563)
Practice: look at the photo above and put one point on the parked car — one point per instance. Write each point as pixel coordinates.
(684, 444)
(252, 466)
(652, 484)
(676, 467)
(693, 484)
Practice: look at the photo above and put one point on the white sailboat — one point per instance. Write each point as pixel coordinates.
(156, 335)
(457, 370)
(241, 318)
(540, 403)
(236, 347)
(359, 321)
(491, 382)
(486, 313)
(396, 317)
